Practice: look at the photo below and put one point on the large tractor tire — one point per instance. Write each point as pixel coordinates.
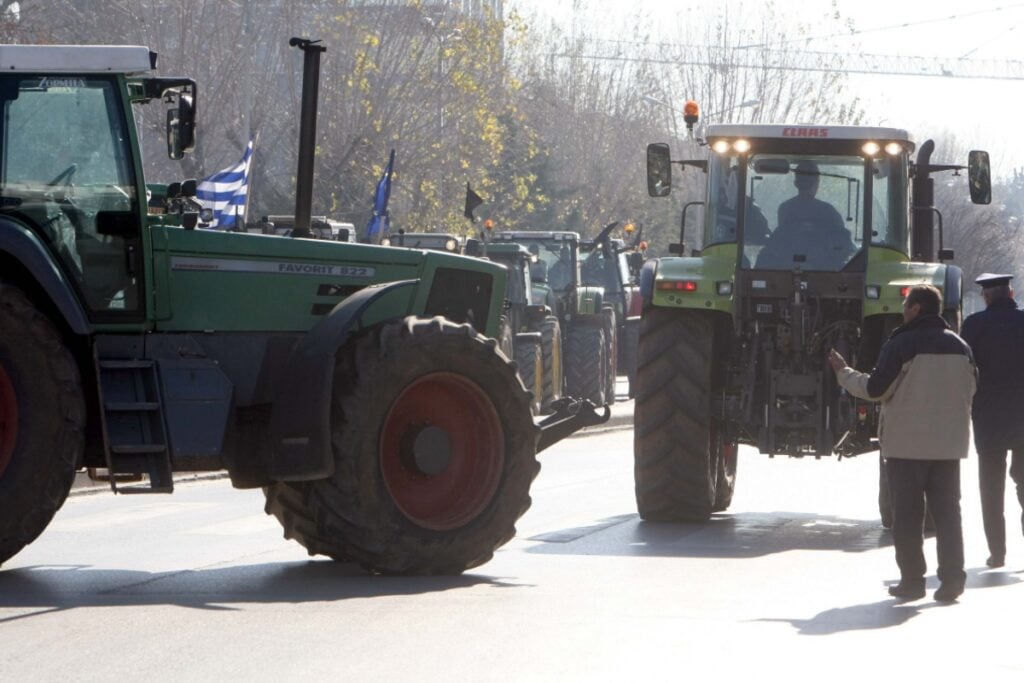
(630, 341)
(434, 449)
(42, 421)
(611, 352)
(530, 366)
(551, 357)
(585, 363)
(675, 446)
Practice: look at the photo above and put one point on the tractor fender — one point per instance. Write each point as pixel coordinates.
(589, 300)
(26, 249)
(952, 290)
(300, 420)
(647, 274)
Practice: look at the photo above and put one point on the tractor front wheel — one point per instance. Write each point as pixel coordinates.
(434, 448)
(551, 357)
(585, 363)
(42, 421)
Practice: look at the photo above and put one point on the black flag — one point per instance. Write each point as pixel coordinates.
(473, 200)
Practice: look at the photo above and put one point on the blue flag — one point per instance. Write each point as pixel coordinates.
(378, 225)
(227, 192)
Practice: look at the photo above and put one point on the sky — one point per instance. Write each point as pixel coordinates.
(984, 114)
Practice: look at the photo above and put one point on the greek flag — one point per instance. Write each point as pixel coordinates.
(226, 193)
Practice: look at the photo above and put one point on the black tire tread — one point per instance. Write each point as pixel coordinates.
(349, 516)
(673, 476)
(584, 363)
(31, 495)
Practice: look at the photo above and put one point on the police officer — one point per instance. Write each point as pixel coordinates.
(996, 336)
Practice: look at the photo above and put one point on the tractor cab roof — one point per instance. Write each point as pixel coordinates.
(126, 59)
(808, 132)
(516, 235)
(507, 250)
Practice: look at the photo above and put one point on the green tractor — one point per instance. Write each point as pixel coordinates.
(534, 333)
(359, 386)
(612, 264)
(811, 238)
(588, 330)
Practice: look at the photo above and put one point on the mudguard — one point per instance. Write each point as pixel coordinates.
(647, 274)
(952, 291)
(589, 300)
(27, 249)
(300, 425)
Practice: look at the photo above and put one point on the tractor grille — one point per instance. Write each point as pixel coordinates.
(462, 296)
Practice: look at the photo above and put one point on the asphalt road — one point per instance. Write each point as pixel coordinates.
(788, 585)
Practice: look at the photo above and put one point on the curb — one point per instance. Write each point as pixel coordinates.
(84, 486)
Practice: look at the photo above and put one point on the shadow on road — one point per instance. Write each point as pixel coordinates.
(59, 588)
(742, 535)
(888, 613)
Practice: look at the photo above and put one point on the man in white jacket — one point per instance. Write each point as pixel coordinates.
(925, 379)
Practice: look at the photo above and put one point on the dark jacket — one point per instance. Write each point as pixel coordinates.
(925, 379)
(996, 336)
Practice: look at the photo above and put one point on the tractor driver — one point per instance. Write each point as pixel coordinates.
(808, 226)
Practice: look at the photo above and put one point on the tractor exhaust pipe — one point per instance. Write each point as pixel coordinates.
(922, 230)
(307, 133)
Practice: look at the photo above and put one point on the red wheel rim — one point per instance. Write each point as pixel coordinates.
(455, 491)
(8, 420)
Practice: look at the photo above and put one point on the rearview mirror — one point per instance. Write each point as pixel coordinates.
(659, 170)
(979, 177)
(771, 166)
(181, 128)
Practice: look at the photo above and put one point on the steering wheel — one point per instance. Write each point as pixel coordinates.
(66, 175)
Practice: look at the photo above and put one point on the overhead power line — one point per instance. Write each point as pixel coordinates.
(822, 62)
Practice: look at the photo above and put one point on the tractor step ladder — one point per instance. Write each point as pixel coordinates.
(134, 435)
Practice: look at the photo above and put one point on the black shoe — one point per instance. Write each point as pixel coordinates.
(949, 591)
(908, 590)
(995, 561)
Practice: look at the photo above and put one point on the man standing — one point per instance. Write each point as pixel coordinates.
(996, 335)
(925, 379)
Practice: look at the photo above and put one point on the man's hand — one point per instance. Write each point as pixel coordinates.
(836, 361)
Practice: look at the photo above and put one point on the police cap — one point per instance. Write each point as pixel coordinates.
(987, 280)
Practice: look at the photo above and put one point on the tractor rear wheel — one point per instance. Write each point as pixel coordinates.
(434, 455)
(530, 366)
(585, 362)
(42, 421)
(675, 448)
(551, 357)
(611, 352)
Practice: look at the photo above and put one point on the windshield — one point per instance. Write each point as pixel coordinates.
(559, 255)
(806, 209)
(517, 285)
(67, 166)
(598, 270)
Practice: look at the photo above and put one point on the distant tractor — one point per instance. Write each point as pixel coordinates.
(609, 263)
(589, 334)
(536, 340)
(360, 386)
(812, 237)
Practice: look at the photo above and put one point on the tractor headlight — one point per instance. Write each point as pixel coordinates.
(893, 148)
(386, 242)
(873, 292)
(451, 245)
(723, 288)
(871, 148)
(720, 146)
